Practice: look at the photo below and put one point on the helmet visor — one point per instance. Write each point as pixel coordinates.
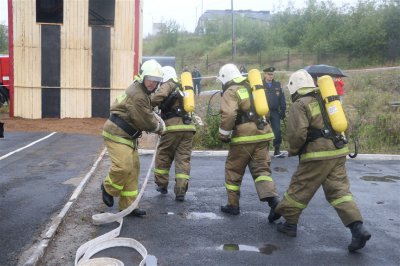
(153, 78)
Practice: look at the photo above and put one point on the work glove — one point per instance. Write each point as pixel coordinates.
(161, 124)
(282, 115)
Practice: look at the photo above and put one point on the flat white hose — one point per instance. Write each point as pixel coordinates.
(87, 250)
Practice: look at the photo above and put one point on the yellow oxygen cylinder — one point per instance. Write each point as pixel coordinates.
(260, 100)
(333, 108)
(188, 93)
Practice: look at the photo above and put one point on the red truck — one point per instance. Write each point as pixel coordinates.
(4, 78)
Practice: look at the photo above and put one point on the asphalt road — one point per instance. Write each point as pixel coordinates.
(195, 232)
(36, 182)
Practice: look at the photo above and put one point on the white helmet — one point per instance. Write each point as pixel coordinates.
(151, 70)
(229, 72)
(300, 79)
(169, 73)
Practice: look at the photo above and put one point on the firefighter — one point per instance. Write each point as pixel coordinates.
(176, 141)
(321, 163)
(130, 114)
(249, 138)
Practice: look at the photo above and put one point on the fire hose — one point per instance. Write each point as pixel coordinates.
(87, 250)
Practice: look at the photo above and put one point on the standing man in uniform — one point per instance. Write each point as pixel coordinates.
(196, 75)
(248, 140)
(176, 141)
(277, 107)
(131, 114)
(321, 164)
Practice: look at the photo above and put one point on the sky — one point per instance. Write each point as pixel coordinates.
(187, 12)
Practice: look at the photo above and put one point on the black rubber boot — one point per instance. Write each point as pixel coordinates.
(278, 153)
(138, 212)
(180, 198)
(359, 236)
(288, 229)
(162, 190)
(273, 216)
(230, 209)
(1, 130)
(107, 198)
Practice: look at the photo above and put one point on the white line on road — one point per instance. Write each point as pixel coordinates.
(27, 146)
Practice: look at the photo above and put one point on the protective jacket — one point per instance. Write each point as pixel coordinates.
(305, 115)
(173, 114)
(235, 105)
(134, 108)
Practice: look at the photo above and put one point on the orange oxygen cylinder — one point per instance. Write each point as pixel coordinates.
(333, 107)
(260, 100)
(188, 93)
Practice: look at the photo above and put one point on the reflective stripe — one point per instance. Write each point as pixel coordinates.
(183, 176)
(263, 178)
(243, 93)
(113, 184)
(121, 97)
(232, 187)
(295, 203)
(180, 127)
(314, 108)
(132, 193)
(130, 143)
(341, 200)
(161, 171)
(224, 132)
(322, 154)
(267, 136)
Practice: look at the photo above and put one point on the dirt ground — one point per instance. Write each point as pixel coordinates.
(90, 126)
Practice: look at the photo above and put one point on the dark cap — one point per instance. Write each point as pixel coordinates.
(269, 69)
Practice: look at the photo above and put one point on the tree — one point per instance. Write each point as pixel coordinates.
(3, 39)
(168, 34)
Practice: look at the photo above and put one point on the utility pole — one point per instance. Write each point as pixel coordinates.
(233, 35)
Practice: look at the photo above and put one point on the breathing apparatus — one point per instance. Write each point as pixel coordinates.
(188, 93)
(258, 97)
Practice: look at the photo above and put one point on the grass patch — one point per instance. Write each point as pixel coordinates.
(368, 103)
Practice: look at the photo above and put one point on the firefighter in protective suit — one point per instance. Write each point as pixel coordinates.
(248, 140)
(130, 114)
(321, 164)
(176, 141)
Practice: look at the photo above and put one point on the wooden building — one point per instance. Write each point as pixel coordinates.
(71, 58)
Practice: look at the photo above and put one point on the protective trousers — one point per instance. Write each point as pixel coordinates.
(256, 156)
(309, 176)
(174, 145)
(123, 177)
